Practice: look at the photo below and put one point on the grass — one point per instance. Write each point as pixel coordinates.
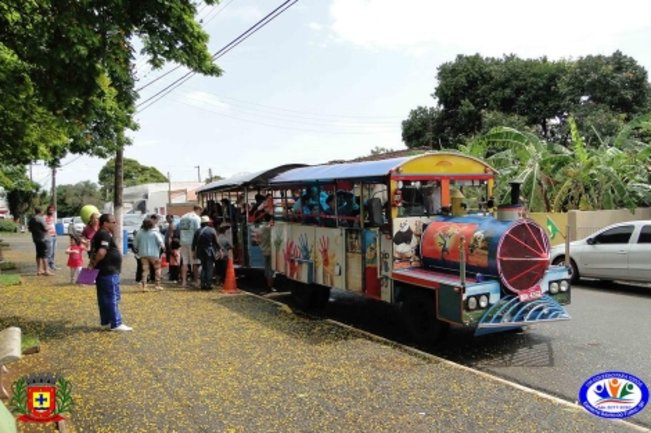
(7, 266)
(9, 280)
(30, 344)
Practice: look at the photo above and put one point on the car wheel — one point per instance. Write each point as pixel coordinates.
(574, 271)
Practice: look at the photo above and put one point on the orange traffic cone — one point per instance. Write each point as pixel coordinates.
(230, 285)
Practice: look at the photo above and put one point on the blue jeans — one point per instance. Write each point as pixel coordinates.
(51, 249)
(207, 268)
(108, 296)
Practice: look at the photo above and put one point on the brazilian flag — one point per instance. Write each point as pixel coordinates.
(552, 228)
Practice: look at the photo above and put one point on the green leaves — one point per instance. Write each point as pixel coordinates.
(66, 83)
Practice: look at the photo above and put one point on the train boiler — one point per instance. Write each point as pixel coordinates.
(504, 279)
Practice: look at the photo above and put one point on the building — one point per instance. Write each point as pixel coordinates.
(155, 197)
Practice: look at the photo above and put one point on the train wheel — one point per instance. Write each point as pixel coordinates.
(310, 296)
(419, 312)
(320, 297)
(302, 295)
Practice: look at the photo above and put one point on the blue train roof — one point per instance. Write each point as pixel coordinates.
(242, 180)
(349, 170)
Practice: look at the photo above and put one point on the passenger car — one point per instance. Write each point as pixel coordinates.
(75, 226)
(66, 222)
(131, 222)
(620, 251)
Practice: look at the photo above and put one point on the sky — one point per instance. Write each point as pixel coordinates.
(333, 79)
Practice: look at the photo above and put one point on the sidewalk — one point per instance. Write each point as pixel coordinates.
(206, 362)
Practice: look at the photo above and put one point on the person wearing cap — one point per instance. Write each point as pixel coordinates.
(188, 226)
(206, 248)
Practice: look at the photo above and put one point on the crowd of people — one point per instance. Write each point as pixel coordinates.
(195, 251)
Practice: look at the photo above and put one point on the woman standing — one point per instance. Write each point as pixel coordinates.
(89, 232)
(148, 243)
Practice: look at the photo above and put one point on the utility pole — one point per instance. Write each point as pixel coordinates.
(53, 198)
(210, 175)
(169, 190)
(198, 172)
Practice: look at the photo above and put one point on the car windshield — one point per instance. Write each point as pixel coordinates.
(132, 220)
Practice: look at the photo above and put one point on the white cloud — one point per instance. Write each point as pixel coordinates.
(204, 100)
(315, 26)
(245, 13)
(554, 28)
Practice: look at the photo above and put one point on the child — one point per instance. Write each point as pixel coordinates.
(75, 257)
(175, 259)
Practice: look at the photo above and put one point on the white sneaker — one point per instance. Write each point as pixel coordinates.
(122, 328)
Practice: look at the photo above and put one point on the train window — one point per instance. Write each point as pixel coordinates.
(375, 201)
(432, 197)
(412, 199)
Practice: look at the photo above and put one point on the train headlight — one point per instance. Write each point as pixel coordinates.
(554, 288)
(472, 303)
(565, 286)
(483, 301)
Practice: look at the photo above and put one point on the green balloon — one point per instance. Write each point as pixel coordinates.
(87, 211)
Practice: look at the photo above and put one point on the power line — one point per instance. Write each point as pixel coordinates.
(206, 20)
(296, 128)
(179, 66)
(235, 42)
(295, 118)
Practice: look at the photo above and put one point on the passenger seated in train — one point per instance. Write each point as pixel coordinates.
(328, 217)
(347, 208)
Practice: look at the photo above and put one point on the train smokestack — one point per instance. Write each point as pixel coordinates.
(515, 192)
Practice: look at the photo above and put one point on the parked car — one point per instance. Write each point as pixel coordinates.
(131, 222)
(620, 251)
(66, 222)
(75, 226)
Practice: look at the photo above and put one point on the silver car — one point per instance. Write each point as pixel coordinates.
(620, 251)
(132, 222)
(76, 226)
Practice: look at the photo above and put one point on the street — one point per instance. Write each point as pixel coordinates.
(608, 331)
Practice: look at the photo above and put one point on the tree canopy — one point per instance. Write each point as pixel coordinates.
(66, 70)
(71, 198)
(134, 174)
(475, 93)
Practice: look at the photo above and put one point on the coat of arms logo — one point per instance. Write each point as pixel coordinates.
(41, 397)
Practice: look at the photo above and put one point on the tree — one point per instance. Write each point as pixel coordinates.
(418, 130)
(602, 92)
(79, 56)
(557, 178)
(134, 174)
(72, 62)
(71, 198)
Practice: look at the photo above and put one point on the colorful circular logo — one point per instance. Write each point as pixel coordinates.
(614, 394)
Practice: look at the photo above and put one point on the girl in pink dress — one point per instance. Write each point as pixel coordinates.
(75, 254)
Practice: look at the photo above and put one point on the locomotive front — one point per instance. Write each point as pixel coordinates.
(509, 282)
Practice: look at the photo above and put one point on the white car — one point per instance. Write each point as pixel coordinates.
(76, 226)
(620, 251)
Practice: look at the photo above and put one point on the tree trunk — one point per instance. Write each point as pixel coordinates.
(117, 196)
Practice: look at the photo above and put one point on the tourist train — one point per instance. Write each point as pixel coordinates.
(422, 232)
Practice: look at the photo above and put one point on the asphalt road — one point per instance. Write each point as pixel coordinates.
(609, 330)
